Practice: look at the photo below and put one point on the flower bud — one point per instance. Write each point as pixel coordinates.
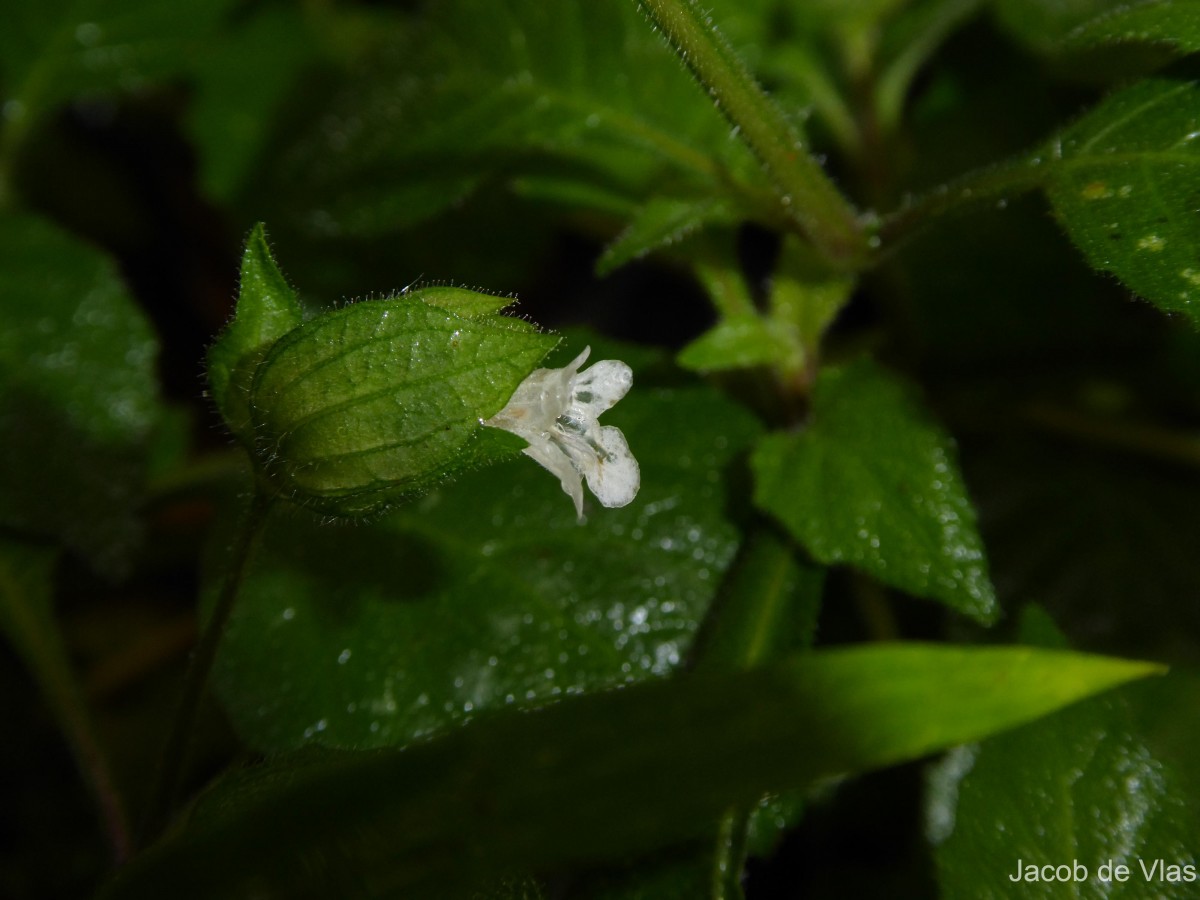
(362, 406)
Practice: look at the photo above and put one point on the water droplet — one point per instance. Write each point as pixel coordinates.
(344, 657)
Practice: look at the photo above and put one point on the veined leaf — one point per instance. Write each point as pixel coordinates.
(1085, 785)
(595, 778)
(1125, 181)
(873, 483)
(581, 91)
(486, 592)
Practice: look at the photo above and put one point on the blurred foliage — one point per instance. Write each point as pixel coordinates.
(990, 400)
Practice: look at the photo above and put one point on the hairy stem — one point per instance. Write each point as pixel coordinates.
(768, 600)
(996, 183)
(808, 196)
(171, 772)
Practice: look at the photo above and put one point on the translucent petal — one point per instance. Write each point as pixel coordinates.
(615, 477)
(551, 457)
(599, 388)
(539, 400)
(556, 411)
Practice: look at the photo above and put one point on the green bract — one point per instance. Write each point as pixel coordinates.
(352, 410)
(364, 405)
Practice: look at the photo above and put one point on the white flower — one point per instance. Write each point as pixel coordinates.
(556, 410)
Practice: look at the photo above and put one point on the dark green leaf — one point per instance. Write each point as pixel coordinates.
(661, 222)
(552, 787)
(740, 342)
(1044, 24)
(78, 396)
(267, 309)
(486, 592)
(873, 483)
(1125, 181)
(1104, 540)
(1086, 785)
(241, 83)
(52, 50)
(382, 399)
(447, 106)
(767, 607)
(1174, 22)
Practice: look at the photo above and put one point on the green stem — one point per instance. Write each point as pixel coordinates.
(810, 199)
(28, 621)
(994, 183)
(767, 594)
(1144, 439)
(170, 776)
(730, 856)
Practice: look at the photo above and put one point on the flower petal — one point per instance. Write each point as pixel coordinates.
(554, 459)
(615, 477)
(599, 388)
(539, 400)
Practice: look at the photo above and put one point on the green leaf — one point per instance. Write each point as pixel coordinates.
(78, 395)
(50, 51)
(662, 222)
(741, 342)
(1173, 22)
(446, 108)
(1102, 539)
(677, 752)
(767, 607)
(486, 592)
(873, 483)
(267, 309)
(804, 299)
(1086, 785)
(1126, 182)
(1044, 24)
(242, 82)
(379, 400)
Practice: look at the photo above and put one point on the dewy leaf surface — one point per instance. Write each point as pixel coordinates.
(598, 777)
(78, 396)
(873, 483)
(1125, 181)
(1086, 784)
(486, 592)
